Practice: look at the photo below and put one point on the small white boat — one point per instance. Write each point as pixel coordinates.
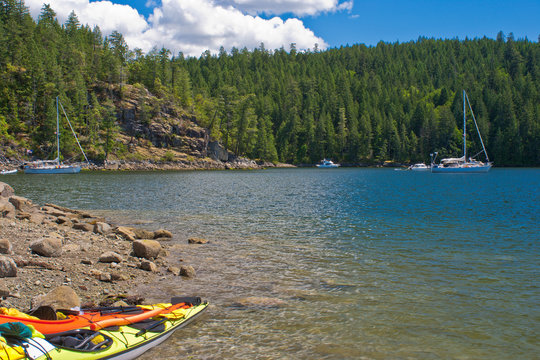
(327, 164)
(7, 172)
(419, 167)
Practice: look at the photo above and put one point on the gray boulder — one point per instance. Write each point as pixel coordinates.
(8, 268)
(48, 247)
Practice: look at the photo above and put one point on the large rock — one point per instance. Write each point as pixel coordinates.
(8, 268)
(5, 246)
(7, 210)
(125, 232)
(22, 204)
(148, 249)
(102, 228)
(49, 247)
(110, 257)
(63, 297)
(5, 190)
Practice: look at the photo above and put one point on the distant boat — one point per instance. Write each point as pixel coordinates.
(7, 172)
(462, 164)
(419, 167)
(55, 166)
(327, 164)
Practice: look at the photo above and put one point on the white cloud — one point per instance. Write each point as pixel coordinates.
(296, 7)
(193, 26)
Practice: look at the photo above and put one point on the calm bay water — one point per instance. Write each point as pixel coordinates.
(369, 263)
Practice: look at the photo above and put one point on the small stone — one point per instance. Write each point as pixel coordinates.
(110, 257)
(105, 277)
(148, 266)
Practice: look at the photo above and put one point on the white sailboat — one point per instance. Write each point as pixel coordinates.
(55, 166)
(462, 164)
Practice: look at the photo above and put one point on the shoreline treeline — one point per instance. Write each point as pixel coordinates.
(354, 104)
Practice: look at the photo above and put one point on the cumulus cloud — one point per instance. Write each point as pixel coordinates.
(194, 26)
(296, 7)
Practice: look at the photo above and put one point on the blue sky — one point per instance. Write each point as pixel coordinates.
(192, 26)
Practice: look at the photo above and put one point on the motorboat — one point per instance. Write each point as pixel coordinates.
(325, 163)
(419, 167)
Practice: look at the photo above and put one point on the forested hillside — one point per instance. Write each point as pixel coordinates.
(354, 104)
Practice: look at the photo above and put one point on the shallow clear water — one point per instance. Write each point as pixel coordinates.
(369, 263)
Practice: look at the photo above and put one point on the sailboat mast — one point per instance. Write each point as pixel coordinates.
(464, 133)
(57, 133)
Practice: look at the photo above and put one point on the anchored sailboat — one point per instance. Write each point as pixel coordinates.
(55, 166)
(462, 164)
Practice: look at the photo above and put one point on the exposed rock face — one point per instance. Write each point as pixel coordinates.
(63, 297)
(110, 257)
(217, 152)
(5, 246)
(8, 268)
(48, 247)
(148, 249)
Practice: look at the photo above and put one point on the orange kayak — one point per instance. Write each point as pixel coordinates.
(98, 319)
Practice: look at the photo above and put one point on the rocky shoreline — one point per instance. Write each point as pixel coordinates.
(48, 250)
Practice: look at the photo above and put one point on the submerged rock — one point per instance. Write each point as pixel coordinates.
(195, 240)
(187, 271)
(255, 301)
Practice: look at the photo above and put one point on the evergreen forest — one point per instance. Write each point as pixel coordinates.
(355, 104)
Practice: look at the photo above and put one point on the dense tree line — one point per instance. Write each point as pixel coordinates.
(354, 104)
